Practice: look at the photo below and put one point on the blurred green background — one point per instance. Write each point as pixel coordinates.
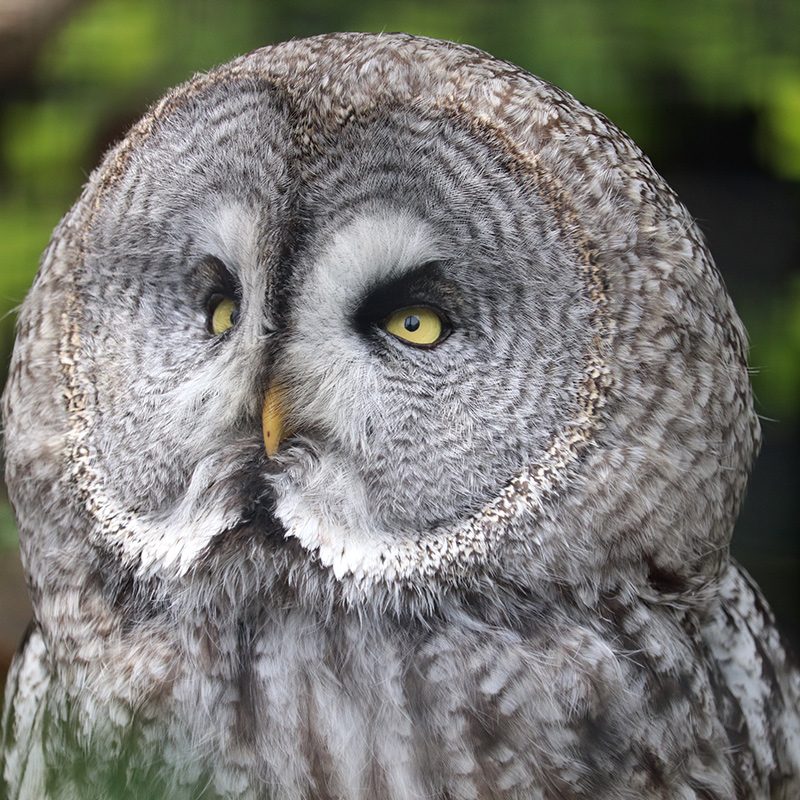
(711, 92)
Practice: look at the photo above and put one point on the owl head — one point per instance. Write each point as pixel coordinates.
(375, 318)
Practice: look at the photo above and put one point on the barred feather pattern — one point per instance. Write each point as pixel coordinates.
(497, 568)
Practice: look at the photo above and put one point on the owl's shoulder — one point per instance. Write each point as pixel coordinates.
(758, 686)
(26, 691)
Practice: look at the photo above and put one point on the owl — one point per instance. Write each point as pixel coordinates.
(376, 427)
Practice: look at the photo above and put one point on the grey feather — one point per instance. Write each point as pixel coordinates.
(496, 567)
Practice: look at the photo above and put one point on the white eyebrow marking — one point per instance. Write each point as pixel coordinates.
(370, 250)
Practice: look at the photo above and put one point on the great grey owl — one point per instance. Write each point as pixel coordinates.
(376, 428)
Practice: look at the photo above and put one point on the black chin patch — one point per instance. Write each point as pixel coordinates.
(255, 507)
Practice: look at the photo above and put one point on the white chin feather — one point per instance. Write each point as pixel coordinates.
(371, 556)
(362, 554)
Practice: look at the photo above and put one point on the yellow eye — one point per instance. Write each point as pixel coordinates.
(418, 325)
(224, 313)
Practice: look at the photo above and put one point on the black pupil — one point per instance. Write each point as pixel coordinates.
(411, 323)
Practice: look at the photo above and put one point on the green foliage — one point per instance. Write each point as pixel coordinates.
(8, 529)
(774, 330)
(781, 144)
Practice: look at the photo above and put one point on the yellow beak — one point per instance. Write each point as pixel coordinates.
(272, 420)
